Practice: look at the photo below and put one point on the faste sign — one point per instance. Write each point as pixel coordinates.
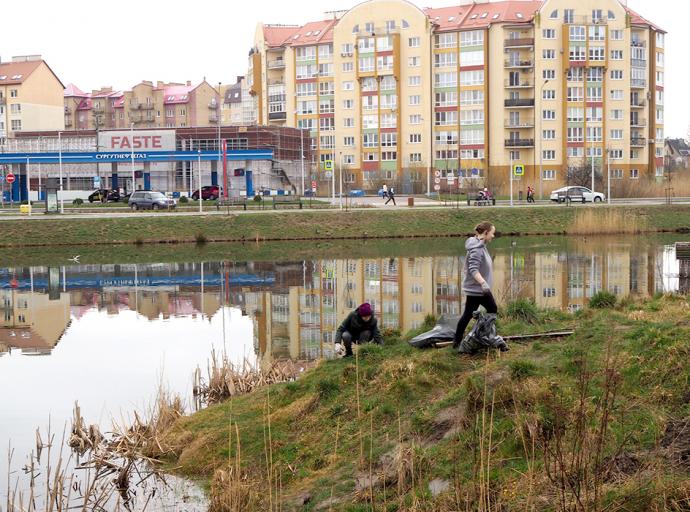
(126, 140)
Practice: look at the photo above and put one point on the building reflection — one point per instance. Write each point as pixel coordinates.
(296, 307)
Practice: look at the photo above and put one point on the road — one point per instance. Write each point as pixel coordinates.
(357, 203)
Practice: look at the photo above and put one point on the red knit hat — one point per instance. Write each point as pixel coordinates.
(365, 309)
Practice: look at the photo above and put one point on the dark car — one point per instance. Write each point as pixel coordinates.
(103, 194)
(150, 200)
(208, 192)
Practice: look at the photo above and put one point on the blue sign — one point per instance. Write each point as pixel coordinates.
(141, 156)
(2, 178)
(96, 182)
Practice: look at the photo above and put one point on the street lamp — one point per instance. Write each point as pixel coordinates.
(218, 113)
(62, 200)
(608, 165)
(131, 143)
(541, 152)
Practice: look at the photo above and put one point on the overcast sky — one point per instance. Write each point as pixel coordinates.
(93, 44)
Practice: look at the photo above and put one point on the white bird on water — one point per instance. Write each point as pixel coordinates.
(75, 259)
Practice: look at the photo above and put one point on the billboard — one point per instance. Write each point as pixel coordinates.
(125, 140)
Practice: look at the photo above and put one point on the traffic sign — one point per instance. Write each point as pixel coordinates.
(329, 174)
(328, 165)
(10, 178)
(519, 170)
(96, 182)
(2, 178)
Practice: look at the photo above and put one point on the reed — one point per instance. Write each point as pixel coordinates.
(605, 221)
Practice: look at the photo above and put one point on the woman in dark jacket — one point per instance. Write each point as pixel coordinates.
(360, 326)
(478, 278)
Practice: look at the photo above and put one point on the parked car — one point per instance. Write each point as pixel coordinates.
(98, 195)
(209, 192)
(589, 196)
(125, 198)
(149, 199)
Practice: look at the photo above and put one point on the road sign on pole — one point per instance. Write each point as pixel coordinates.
(518, 170)
(10, 178)
(328, 165)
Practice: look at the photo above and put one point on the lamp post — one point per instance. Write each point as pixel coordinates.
(341, 180)
(131, 143)
(541, 152)
(301, 151)
(201, 199)
(608, 165)
(218, 113)
(62, 200)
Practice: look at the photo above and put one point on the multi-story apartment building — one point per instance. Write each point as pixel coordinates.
(171, 105)
(239, 107)
(394, 93)
(30, 96)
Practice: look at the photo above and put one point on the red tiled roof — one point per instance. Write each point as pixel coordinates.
(19, 70)
(73, 91)
(636, 19)
(313, 33)
(85, 104)
(276, 35)
(482, 15)
(177, 94)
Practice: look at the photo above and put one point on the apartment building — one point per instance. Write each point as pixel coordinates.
(30, 96)
(454, 97)
(239, 107)
(164, 105)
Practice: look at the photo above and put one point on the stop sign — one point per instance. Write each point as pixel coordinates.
(9, 178)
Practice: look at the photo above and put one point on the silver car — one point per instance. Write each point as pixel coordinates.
(589, 196)
(150, 200)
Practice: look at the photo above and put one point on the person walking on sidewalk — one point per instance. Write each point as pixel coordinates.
(385, 191)
(478, 278)
(391, 196)
(530, 194)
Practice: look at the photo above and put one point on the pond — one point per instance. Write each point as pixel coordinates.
(109, 335)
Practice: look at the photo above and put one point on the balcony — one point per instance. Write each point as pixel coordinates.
(146, 106)
(97, 108)
(637, 103)
(637, 43)
(638, 83)
(67, 109)
(3, 100)
(638, 123)
(212, 117)
(518, 64)
(638, 142)
(213, 104)
(585, 20)
(519, 125)
(276, 64)
(68, 121)
(523, 42)
(520, 103)
(522, 84)
(519, 143)
(277, 116)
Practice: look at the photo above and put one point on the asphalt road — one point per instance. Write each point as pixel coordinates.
(359, 202)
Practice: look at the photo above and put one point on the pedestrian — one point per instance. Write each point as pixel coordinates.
(360, 326)
(478, 278)
(385, 191)
(391, 196)
(530, 194)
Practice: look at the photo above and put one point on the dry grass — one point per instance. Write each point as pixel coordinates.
(609, 221)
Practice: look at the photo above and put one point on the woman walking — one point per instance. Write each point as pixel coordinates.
(478, 278)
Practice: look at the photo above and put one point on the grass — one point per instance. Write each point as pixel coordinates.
(327, 225)
(567, 424)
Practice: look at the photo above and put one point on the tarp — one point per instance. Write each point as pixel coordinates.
(444, 330)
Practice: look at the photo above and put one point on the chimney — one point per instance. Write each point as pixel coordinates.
(189, 83)
(239, 78)
(159, 84)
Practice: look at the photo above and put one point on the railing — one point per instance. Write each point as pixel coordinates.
(637, 103)
(522, 83)
(523, 41)
(583, 19)
(524, 124)
(519, 143)
(519, 63)
(98, 108)
(638, 63)
(213, 104)
(528, 102)
(280, 82)
(638, 122)
(213, 117)
(638, 82)
(276, 64)
(638, 141)
(635, 43)
(277, 116)
(68, 121)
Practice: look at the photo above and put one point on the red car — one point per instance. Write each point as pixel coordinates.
(208, 192)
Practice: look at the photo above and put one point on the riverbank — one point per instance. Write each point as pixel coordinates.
(600, 418)
(366, 224)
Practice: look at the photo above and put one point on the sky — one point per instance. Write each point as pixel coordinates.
(94, 44)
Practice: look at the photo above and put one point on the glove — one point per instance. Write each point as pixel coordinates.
(339, 349)
(486, 289)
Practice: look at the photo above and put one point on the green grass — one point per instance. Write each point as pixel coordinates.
(433, 404)
(316, 225)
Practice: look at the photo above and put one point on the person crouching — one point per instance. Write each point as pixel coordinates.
(360, 326)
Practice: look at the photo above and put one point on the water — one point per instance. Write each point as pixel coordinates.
(108, 336)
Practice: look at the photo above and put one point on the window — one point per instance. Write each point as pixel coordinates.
(472, 137)
(348, 67)
(597, 33)
(14, 93)
(576, 93)
(576, 115)
(448, 40)
(446, 99)
(617, 174)
(327, 142)
(616, 54)
(554, 14)
(595, 114)
(389, 121)
(616, 74)
(549, 134)
(415, 80)
(549, 154)
(416, 119)
(617, 114)
(549, 174)
(472, 37)
(349, 142)
(415, 138)
(594, 134)
(347, 49)
(369, 27)
(442, 60)
(325, 51)
(348, 104)
(659, 40)
(659, 78)
(414, 62)
(389, 155)
(594, 93)
(575, 74)
(616, 154)
(385, 63)
(576, 152)
(446, 79)
(16, 108)
(16, 124)
(370, 102)
(575, 134)
(471, 98)
(548, 33)
(306, 53)
(414, 42)
(616, 94)
(327, 124)
(415, 99)
(389, 140)
(616, 35)
(577, 53)
(349, 160)
(549, 54)
(366, 44)
(549, 94)
(470, 117)
(634, 174)
(659, 59)
(445, 118)
(597, 53)
(370, 140)
(446, 138)
(366, 64)
(390, 25)
(548, 115)
(549, 74)
(475, 58)
(568, 15)
(348, 86)
(306, 89)
(349, 122)
(472, 77)
(514, 155)
(415, 157)
(577, 33)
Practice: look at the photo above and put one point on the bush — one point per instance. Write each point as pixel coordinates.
(184, 200)
(522, 369)
(523, 310)
(200, 238)
(258, 199)
(603, 300)
(78, 201)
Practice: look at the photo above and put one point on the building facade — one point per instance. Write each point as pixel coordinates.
(30, 96)
(453, 97)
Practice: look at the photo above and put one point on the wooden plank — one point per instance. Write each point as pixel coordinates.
(520, 338)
